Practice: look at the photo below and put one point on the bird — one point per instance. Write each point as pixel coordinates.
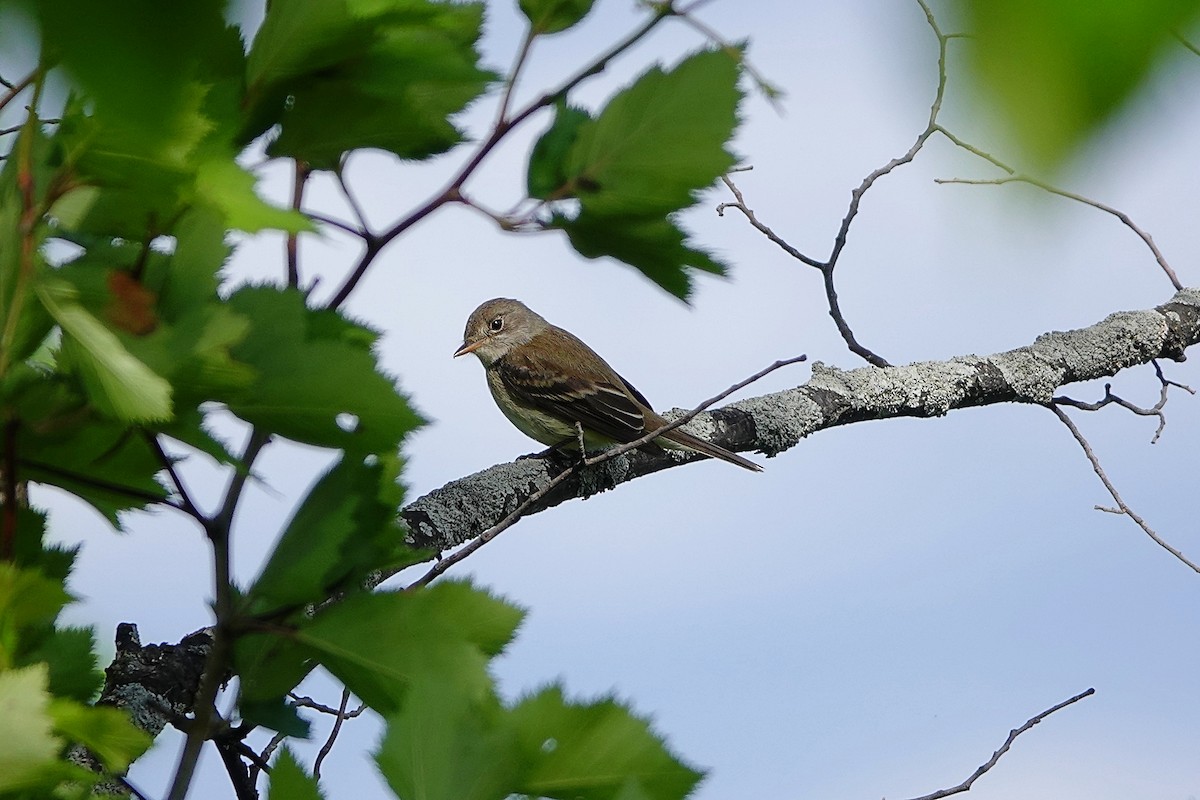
(558, 391)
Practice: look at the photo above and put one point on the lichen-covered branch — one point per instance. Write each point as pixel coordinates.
(773, 423)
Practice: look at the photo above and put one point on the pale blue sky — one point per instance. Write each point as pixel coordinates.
(871, 615)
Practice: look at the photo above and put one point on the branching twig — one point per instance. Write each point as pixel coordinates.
(1155, 410)
(1050, 188)
(218, 529)
(1122, 508)
(1012, 736)
(511, 518)
(340, 716)
(828, 266)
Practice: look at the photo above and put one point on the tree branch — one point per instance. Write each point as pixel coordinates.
(1012, 735)
(465, 508)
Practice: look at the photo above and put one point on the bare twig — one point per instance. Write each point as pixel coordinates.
(828, 266)
(218, 528)
(1122, 508)
(340, 717)
(1047, 187)
(511, 518)
(262, 765)
(15, 89)
(1004, 748)
(291, 244)
(1155, 410)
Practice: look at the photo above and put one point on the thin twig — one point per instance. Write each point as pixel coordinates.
(1047, 187)
(359, 213)
(15, 89)
(326, 748)
(265, 756)
(291, 245)
(509, 520)
(1004, 748)
(218, 528)
(186, 504)
(1112, 490)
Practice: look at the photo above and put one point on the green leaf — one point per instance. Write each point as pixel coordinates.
(380, 644)
(365, 73)
(118, 384)
(552, 16)
(654, 245)
(1060, 70)
(31, 552)
(25, 728)
(228, 187)
(289, 781)
(27, 599)
(345, 528)
(594, 750)
(269, 665)
(659, 142)
(69, 654)
(102, 462)
(317, 379)
(547, 174)
(106, 732)
(445, 745)
(192, 274)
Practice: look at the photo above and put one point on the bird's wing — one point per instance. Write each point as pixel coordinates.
(592, 394)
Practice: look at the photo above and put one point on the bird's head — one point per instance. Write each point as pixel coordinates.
(498, 326)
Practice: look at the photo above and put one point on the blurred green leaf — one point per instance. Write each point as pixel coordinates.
(655, 145)
(289, 781)
(345, 528)
(1060, 69)
(552, 16)
(69, 653)
(106, 732)
(102, 462)
(380, 644)
(317, 381)
(25, 728)
(547, 163)
(228, 187)
(448, 745)
(118, 384)
(655, 245)
(593, 751)
(268, 667)
(27, 599)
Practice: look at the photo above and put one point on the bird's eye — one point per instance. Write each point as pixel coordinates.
(496, 324)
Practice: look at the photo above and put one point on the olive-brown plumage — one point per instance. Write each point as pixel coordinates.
(546, 381)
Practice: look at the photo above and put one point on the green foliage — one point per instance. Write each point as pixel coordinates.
(443, 745)
(1060, 69)
(345, 528)
(316, 379)
(553, 16)
(290, 782)
(381, 644)
(119, 330)
(348, 74)
(645, 156)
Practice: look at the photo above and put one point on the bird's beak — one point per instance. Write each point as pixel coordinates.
(468, 347)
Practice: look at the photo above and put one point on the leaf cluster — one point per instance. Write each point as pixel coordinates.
(121, 199)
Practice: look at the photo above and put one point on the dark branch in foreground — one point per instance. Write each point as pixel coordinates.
(465, 508)
(1012, 736)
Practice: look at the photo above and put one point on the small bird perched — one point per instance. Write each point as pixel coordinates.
(552, 386)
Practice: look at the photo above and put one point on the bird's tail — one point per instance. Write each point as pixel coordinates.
(680, 440)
